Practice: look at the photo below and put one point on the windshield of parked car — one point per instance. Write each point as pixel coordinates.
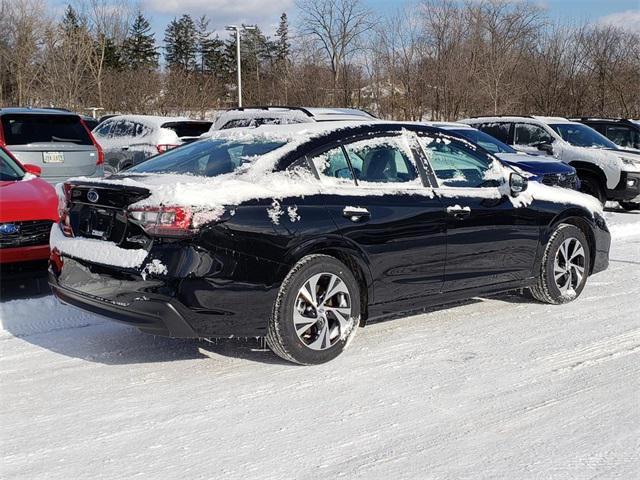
(24, 129)
(9, 170)
(489, 143)
(582, 136)
(209, 157)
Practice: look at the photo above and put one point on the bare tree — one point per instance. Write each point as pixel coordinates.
(338, 26)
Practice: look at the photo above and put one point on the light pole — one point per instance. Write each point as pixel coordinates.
(237, 29)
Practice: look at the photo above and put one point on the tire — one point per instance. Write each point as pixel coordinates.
(569, 285)
(629, 205)
(591, 185)
(324, 331)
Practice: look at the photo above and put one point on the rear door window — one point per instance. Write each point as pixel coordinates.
(382, 160)
(25, 129)
(499, 130)
(333, 166)
(623, 136)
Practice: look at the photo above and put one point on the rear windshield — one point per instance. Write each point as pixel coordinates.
(188, 129)
(23, 129)
(207, 158)
(9, 170)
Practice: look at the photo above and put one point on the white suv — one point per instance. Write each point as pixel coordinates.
(605, 171)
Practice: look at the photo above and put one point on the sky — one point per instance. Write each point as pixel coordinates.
(265, 13)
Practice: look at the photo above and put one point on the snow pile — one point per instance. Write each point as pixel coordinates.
(154, 267)
(96, 251)
(28, 176)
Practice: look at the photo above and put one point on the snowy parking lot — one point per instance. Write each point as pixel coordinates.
(489, 388)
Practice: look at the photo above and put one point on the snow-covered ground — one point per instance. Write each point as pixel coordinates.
(490, 388)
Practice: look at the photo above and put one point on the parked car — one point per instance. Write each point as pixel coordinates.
(90, 122)
(300, 233)
(606, 171)
(57, 141)
(623, 132)
(540, 168)
(130, 139)
(256, 116)
(28, 208)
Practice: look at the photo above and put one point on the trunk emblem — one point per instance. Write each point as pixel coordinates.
(92, 196)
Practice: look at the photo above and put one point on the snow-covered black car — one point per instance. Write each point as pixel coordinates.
(300, 233)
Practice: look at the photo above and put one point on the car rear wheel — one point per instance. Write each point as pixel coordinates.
(316, 313)
(591, 185)
(565, 266)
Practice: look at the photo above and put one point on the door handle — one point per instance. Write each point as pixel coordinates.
(124, 149)
(458, 212)
(355, 214)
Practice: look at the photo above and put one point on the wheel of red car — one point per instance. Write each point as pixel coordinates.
(316, 313)
(565, 266)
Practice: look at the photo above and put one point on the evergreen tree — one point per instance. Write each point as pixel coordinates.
(210, 55)
(181, 43)
(139, 48)
(112, 55)
(282, 45)
(70, 21)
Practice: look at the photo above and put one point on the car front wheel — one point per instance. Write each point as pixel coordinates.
(316, 313)
(565, 266)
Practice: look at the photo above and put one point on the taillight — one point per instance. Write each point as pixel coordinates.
(164, 147)
(164, 221)
(100, 160)
(56, 260)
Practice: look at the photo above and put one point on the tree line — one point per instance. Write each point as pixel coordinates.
(430, 59)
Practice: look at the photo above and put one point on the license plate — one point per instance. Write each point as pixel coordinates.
(53, 157)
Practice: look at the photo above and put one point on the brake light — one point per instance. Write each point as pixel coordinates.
(56, 260)
(100, 160)
(164, 147)
(164, 221)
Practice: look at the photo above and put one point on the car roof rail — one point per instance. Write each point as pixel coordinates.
(502, 115)
(267, 107)
(606, 119)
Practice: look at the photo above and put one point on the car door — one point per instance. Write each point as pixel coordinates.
(489, 241)
(376, 196)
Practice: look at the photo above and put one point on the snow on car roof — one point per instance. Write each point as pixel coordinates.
(554, 119)
(151, 120)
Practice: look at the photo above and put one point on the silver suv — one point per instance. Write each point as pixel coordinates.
(55, 140)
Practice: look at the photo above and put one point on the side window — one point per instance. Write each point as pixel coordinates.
(623, 136)
(531, 135)
(497, 130)
(333, 165)
(382, 160)
(103, 130)
(456, 166)
(122, 128)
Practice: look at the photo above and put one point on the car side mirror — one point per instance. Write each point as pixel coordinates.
(517, 184)
(33, 169)
(546, 148)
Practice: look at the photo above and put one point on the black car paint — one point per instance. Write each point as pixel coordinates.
(224, 282)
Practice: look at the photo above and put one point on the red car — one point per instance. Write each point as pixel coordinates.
(28, 208)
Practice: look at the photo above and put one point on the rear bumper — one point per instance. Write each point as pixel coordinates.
(214, 299)
(24, 254)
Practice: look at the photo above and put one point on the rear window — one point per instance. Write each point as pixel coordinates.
(23, 129)
(207, 158)
(188, 129)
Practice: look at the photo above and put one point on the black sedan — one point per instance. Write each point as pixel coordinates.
(301, 233)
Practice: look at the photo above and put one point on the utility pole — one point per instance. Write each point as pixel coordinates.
(237, 29)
